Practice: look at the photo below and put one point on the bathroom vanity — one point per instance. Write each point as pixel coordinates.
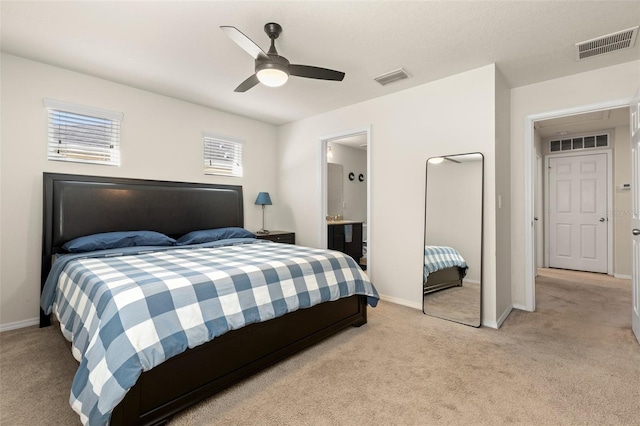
(345, 236)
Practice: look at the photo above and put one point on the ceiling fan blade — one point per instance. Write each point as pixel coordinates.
(315, 72)
(247, 84)
(244, 42)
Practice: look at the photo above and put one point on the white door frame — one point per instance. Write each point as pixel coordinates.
(323, 143)
(540, 221)
(529, 164)
(609, 154)
(634, 110)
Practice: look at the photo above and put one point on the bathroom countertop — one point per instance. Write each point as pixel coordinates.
(343, 222)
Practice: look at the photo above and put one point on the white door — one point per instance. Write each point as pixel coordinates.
(635, 214)
(577, 212)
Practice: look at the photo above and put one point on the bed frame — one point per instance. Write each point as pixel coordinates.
(77, 205)
(444, 278)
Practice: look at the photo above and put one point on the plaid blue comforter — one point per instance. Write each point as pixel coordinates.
(441, 257)
(126, 311)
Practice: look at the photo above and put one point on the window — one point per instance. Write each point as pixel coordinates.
(222, 156)
(584, 142)
(83, 134)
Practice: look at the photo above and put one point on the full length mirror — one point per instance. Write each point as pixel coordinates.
(452, 278)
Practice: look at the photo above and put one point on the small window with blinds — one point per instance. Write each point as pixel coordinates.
(222, 156)
(83, 134)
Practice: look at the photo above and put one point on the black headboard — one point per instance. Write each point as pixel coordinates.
(76, 205)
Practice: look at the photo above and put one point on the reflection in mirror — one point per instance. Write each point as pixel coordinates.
(452, 278)
(335, 196)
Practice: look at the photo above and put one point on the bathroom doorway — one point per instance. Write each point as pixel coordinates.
(346, 171)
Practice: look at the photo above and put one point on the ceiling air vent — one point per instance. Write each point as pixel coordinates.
(610, 43)
(392, 76)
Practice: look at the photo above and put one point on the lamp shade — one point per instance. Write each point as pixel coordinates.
(263, 199)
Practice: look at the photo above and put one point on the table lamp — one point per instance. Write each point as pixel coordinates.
(264, 200)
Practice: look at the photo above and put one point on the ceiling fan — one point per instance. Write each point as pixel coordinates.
(272, 69)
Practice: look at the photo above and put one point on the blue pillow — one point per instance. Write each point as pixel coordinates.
(110, 240)
(208, 235)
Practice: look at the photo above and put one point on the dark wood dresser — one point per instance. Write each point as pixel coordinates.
(279, 237)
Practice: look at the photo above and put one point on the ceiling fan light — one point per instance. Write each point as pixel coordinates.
(272, 77)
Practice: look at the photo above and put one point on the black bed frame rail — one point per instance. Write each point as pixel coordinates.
(228, 359)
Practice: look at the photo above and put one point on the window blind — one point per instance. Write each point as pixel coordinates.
(222, 156)
(83, 134)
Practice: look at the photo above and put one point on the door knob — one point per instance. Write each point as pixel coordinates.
(636, 232)
(601, 219)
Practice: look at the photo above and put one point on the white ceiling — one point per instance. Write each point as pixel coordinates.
(358, 141)
(176, 48)
(583, 123)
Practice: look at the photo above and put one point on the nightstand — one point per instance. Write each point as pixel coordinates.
(279, 237)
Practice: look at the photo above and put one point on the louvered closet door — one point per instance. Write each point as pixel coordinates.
(577, 212)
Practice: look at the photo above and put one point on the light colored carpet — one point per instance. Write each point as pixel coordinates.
(574, 361)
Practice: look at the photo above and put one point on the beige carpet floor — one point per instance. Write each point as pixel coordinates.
(572, 362)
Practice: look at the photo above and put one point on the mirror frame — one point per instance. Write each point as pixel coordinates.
(481, 234)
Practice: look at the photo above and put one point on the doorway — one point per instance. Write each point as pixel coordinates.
(347, 156)
(610, 116)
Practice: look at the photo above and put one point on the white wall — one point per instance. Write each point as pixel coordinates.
(161, 138)
(503, 198)
(601, 85)
(621, 202)
(452, 115)
(354, 192)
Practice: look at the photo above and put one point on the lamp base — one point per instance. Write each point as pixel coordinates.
(262, 232)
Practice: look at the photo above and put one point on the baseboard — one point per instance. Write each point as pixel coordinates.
(497, 324)
(521, 307)
(490, 324)
(504, 315)
(622, 276)
(19, 324)
(402, 302)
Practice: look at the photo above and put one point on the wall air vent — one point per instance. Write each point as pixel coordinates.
(392, 76)
(625, 39)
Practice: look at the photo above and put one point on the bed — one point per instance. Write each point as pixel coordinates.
(77, 206)
(444, 267)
